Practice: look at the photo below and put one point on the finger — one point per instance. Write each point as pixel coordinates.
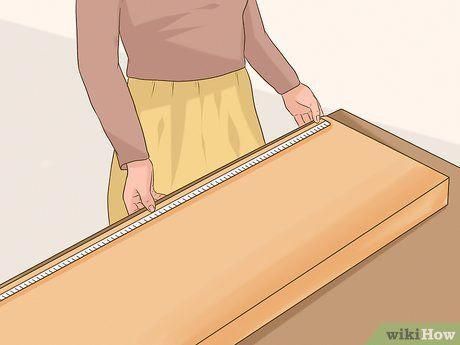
(158, 196)
(312, 112)
(136, 199)
(308, 116)
(131, 207)
(315, 112)
(299, 119)
(317, 118)
(148, 201)
(129, 199)
(321, 112)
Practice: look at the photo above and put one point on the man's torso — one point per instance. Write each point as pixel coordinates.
(182, 40)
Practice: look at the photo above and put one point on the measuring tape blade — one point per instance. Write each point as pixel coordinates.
(165, 209)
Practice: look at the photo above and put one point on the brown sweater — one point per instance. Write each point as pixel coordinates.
(174, 40)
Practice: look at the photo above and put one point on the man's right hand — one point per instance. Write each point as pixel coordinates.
(139, 192)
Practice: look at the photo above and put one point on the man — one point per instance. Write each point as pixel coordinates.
(188, 107)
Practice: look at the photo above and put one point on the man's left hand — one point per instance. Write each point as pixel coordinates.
(303, 105)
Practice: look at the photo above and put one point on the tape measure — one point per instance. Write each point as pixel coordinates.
(191, 195)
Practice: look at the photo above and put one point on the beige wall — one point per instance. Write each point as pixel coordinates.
(392, 62)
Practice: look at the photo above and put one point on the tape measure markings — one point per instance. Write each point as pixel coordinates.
(165, 209)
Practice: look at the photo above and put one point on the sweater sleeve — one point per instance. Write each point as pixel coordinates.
(262, 53)
(97, 44)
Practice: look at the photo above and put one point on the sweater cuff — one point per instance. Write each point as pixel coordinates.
(123, 160)
(287, 84)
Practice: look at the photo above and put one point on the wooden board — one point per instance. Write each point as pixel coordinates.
(389, 285)
(219, 267)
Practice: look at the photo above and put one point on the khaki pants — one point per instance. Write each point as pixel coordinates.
(191, 128)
